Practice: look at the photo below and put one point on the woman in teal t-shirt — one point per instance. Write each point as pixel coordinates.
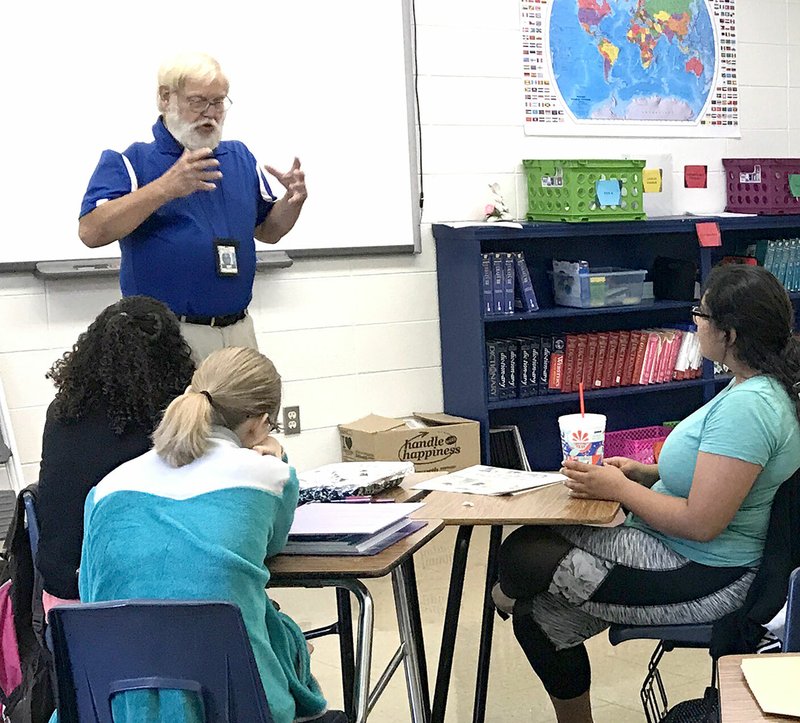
(695, 534)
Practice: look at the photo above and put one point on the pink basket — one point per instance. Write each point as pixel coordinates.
(638, 444)
(761, 185)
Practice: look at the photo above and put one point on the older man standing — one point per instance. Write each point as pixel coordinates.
(187, 207)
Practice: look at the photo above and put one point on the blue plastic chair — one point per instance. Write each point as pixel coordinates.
(31, 522)
(102, 649)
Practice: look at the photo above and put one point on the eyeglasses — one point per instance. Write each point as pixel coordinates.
(198, 104)
(273, 426)
(700, 314)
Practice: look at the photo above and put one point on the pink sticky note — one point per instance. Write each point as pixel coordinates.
(708, 233)
(695, 176)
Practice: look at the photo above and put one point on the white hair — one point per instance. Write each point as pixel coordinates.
(174, 73)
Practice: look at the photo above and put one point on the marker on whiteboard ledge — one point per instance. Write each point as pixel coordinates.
(91, 267)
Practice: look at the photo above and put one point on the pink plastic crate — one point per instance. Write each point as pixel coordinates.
(761, 185)
(636, 443)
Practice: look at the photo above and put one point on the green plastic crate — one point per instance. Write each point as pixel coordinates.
(567, 190)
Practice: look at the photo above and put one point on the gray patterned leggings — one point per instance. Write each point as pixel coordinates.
(572, 582)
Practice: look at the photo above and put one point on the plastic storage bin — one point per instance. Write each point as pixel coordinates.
(762, 185)
(568, 190)
(641, 443)
(575, 284)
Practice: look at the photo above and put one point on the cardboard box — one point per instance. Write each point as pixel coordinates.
(433, 442)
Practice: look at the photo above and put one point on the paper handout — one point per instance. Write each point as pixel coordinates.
(484, 480)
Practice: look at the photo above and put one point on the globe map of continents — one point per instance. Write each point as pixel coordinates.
(637, 60)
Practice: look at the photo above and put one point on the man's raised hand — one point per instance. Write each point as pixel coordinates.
(294, 181)
(193, 171)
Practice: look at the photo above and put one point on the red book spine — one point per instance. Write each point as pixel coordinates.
(630, 359)
(611, 360)
(619, 362)
(677, 340)
(644, 337)
(580, 362)
(589, 361)
(600, 361)
(569, 362)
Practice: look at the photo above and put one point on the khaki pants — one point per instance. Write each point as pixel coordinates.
(204, 339)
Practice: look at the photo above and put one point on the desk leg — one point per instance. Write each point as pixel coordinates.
(416, 622)
(344, 627)
(409, 641)
(363, 646)
(450, 627)
(487, 625)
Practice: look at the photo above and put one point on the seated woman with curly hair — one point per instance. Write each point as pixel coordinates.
(112, 387)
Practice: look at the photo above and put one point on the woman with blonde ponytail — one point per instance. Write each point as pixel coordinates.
(196, 517)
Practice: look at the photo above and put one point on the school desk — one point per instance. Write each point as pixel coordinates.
(550, 505)
(345, 573)
(737, 703)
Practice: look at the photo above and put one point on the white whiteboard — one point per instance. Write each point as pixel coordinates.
(327, 82)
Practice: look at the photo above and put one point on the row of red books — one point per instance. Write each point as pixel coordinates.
(622, 358)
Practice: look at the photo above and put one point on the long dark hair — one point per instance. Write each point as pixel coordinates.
(132, 358)
(752, 301)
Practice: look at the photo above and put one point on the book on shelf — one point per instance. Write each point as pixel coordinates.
(580, 362)
(556, 376)
(570, 350)
(357, 478)
(607, 376)
(498, 283)
(492, 371)
(513, 369)
(638, 359)
(525, 295)
(526, 377)
(488, 283)
(619, 361)
(493, 481)
(339, 528)
(589, 361)
(545, 352)
(505, 388)
(534, 343)
(509, 275)
(600, 360)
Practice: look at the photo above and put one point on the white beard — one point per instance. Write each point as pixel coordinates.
(187, 134)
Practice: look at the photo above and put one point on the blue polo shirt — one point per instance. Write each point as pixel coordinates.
(171, 256)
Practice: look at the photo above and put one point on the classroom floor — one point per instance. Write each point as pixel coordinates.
(514, 693)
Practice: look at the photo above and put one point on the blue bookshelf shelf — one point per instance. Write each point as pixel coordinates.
(613, 392)
(566, 312)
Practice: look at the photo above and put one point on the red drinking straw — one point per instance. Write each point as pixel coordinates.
(580, 396)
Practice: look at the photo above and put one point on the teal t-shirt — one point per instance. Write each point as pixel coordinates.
(754, 421)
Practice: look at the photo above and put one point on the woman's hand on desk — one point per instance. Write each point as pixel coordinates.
(594, 482)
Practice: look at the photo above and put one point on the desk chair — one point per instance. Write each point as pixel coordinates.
(652, 693)
(31, 522)
(102, 649)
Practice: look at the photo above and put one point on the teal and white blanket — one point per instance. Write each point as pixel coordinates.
(201, 532)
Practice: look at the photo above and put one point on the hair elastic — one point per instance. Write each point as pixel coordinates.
(207, 395)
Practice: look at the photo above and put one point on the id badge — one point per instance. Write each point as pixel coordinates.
(225, 256)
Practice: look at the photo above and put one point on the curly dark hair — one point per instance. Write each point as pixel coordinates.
(132, 358)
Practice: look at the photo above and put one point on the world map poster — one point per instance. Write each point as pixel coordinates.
(630, 67)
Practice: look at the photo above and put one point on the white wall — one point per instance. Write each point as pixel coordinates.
(358, 335)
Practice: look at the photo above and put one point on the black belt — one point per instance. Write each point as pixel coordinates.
(226, 320)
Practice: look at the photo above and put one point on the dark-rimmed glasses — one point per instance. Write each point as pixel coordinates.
(198, 104)
(699, 313)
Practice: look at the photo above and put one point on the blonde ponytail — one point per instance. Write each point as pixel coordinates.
(230, 386)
